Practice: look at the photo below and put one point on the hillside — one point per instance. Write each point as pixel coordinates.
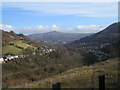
(37, 67)
(15, 44)
(108, 35)
(57, 36)
(100, 45)
(32, 65)
(83, 77)
(11, 36)
(26, 61)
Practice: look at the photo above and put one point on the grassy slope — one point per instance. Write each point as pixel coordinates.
(11, 49)
(15, 50)
(21, 44)
(81, 77)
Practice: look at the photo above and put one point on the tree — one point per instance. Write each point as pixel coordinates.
(12, 32)
(90, 58)
(20, 34)
(28, 51)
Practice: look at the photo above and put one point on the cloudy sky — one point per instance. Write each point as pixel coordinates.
(40, 17)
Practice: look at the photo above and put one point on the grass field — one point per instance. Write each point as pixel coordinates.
(83, 77)
(11, 49)
(15, 50)
(21, 43)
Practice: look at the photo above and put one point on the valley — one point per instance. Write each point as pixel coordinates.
(60, 44)
(40, 63)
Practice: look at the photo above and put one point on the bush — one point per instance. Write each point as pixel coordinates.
(90, 58)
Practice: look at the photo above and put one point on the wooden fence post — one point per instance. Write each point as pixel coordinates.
(56, 86)
(102, 82)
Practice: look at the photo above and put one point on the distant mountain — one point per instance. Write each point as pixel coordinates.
(57, 36)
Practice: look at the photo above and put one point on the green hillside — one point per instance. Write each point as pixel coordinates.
(22, 44)
(14, 44)
(16, 47)
(83, 77)
(11, 49)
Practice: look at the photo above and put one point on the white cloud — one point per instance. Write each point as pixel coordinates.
(6, 27)
(39, 29)
(89, 28)
(54, 27)
(77, 29)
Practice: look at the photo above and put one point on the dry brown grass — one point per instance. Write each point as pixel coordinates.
(82, 77)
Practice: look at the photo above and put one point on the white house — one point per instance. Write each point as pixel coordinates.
(1, 60)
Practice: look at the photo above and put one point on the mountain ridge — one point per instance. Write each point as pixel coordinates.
(58, 36)
(108, 34)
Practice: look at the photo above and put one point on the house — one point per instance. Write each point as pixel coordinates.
(1, 60)
(50, 50)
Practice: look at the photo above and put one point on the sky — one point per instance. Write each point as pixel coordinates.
(70, 17)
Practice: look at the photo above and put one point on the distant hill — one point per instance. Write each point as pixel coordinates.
(57, 36)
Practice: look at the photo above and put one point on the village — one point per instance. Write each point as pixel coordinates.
(96, 50)
(44, 50)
